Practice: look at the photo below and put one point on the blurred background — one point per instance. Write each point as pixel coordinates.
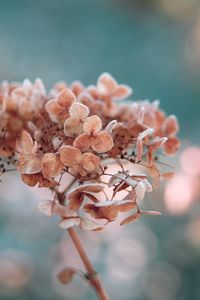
(153, 46)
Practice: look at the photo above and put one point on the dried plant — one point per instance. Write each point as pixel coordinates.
(109, 149)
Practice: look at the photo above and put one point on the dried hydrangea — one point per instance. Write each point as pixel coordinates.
(83, 131)
(109, 150)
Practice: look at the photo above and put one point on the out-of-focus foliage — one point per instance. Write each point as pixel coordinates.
(154, 46)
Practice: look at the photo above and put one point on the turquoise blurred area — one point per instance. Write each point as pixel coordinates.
(153, 46)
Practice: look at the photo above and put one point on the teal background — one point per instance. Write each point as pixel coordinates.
(154, 51)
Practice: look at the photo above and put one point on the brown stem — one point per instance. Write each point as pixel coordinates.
(92, 275)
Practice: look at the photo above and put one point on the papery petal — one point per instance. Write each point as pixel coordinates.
(145, 133)
(31, 179)
(83, 142)
(111, 126)
(109, 212)
(28, 165)
(92, 125)
(63, 211)
(48, 183)
(131, 218)
(171, 145)
(69, 222)
(90, 162)
(76, 87)
(122, 91)
(140, 190)
(170, 126)
(54, 110)
(89, 187)
(75, 200)
(102, 142)
(78, 111)
(86, 224)
(73, 127)
(46, 207)
(106, 83)
(51, 165)
(65, 98)
(92, 90)
(70, 156)
(26, 142)
(151, 213)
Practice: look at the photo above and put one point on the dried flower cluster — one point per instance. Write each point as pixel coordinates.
(83, 131)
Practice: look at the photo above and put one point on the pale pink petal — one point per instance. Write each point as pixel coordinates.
(171, 145)
(106, 83)
(139, 150)
(51, 165)
(170, 126)
(83, 142)
(45, 207)
(122, 91)
(73, 127)
(70, 156)
(86, 224)
(76, 87)
(28, 165)
(26, 142)
(89, 187)
(69, 222)
(65, 98)
(54, 110)
(140, 190)
(92, 125)
(90, 162)
(78, 111)
(102, 142)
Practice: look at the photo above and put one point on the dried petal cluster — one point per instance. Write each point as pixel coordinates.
(83, 131)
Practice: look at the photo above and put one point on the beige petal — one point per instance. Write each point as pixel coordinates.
(140, 190)
(151, 212)
(69, 222)
(92, 125)
(102, 142)
(46, 207)
(90, 162)
(65, 98)
(73, 127)
(51, 165)
(78, 111)
(106, 83)
(70, 156)
(28, 165)
(83, 142)
(86, 224)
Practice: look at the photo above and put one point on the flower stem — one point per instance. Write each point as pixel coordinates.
(92, 275)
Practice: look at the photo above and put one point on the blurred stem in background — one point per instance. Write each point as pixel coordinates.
(92, 276)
